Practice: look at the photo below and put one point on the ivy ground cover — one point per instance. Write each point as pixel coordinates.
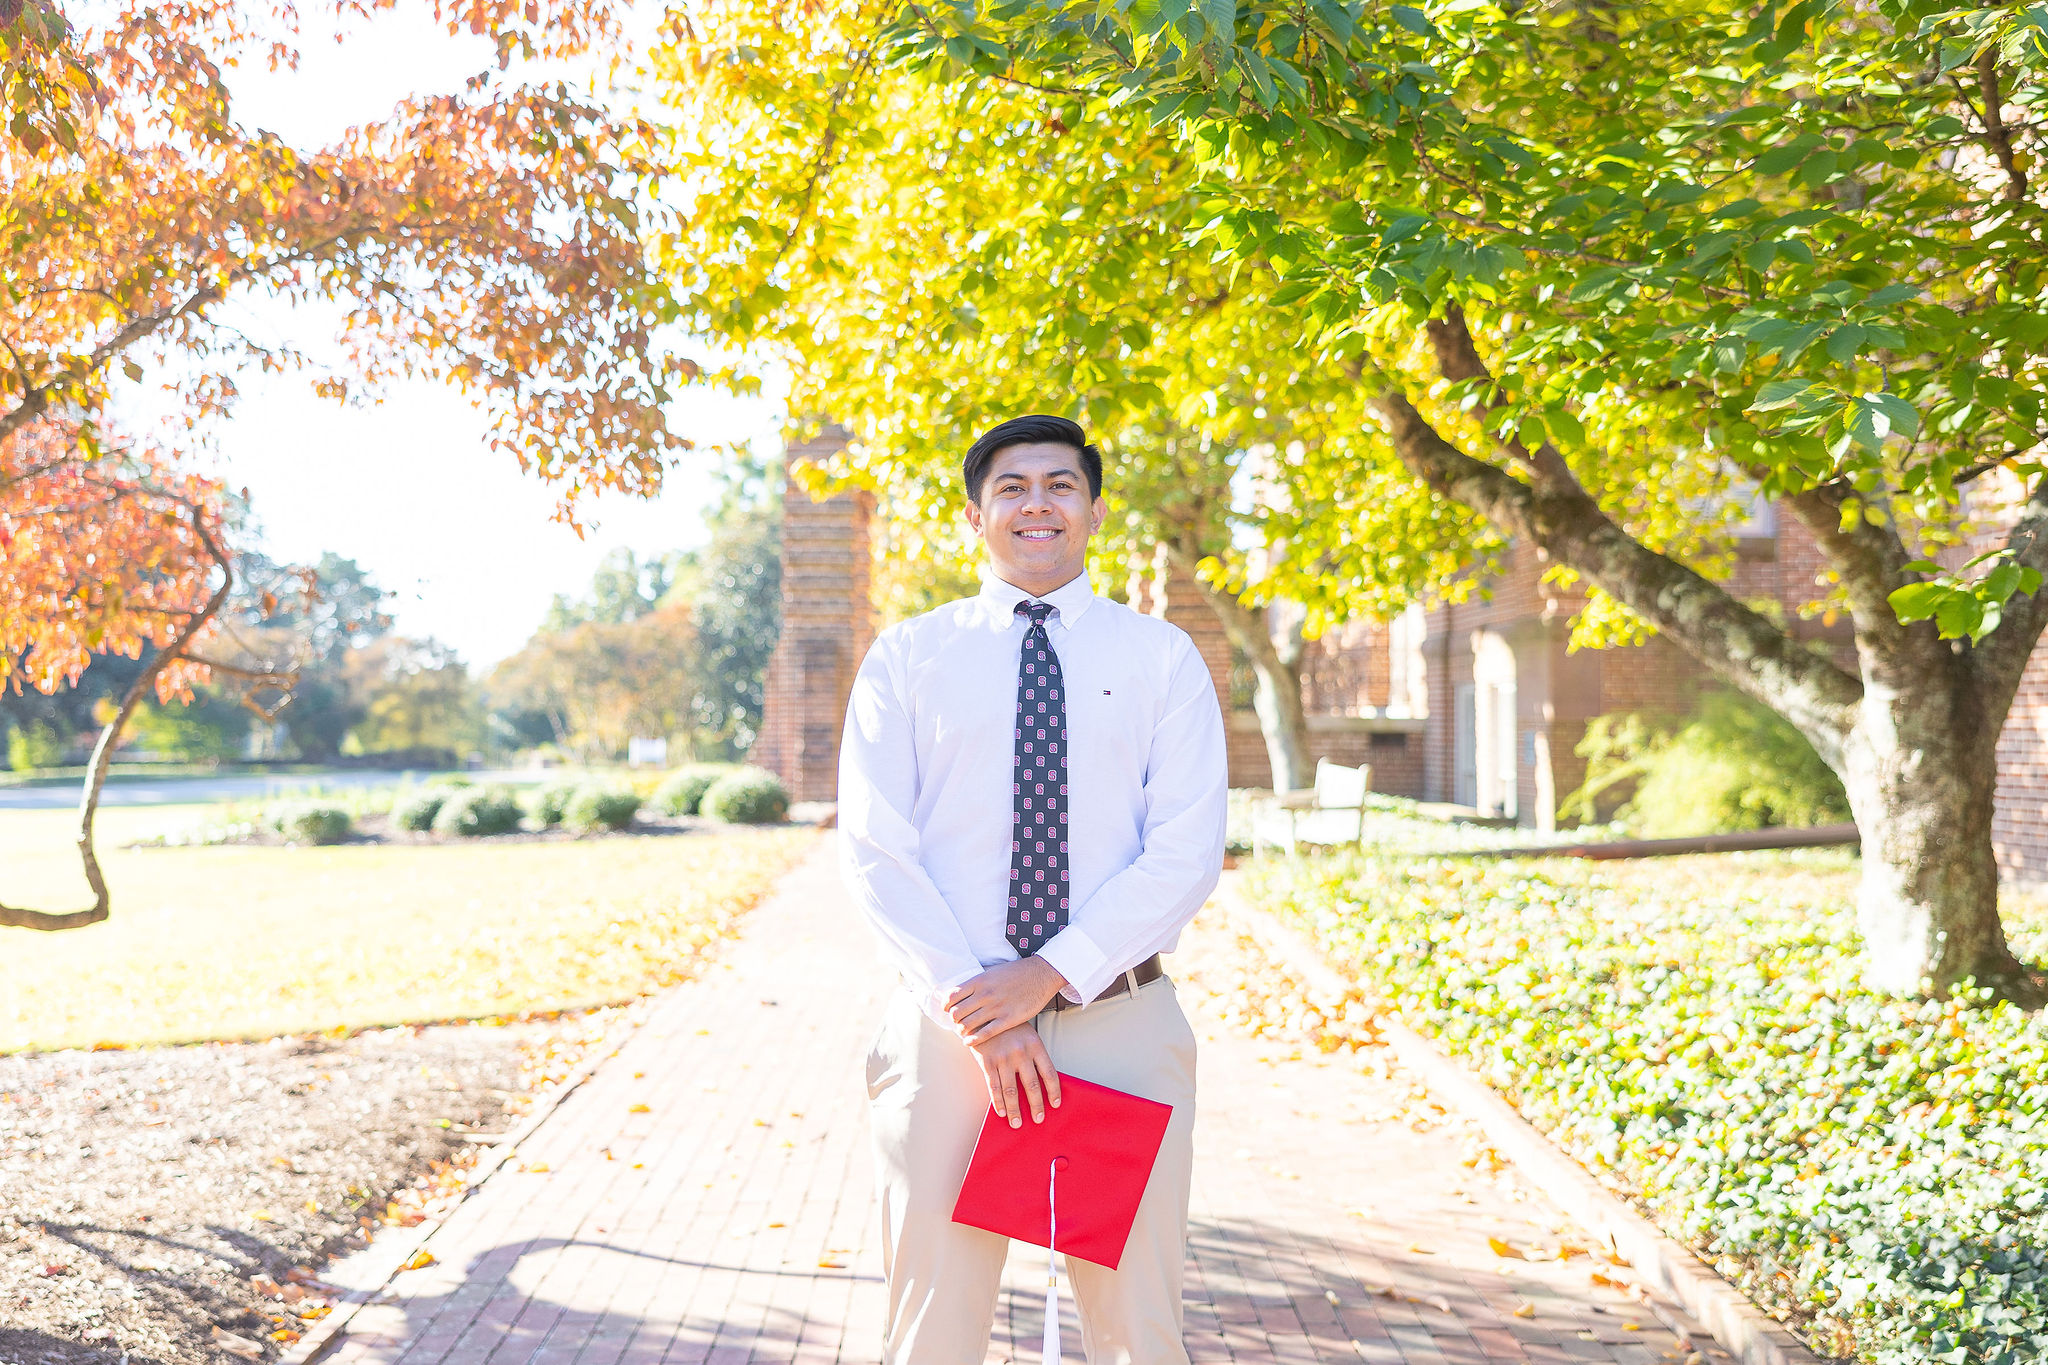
(251, 942)
(1693, 1030)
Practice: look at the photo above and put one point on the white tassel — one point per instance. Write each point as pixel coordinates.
(1052, 1267)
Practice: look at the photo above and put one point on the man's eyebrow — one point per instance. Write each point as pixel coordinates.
(1052, 474)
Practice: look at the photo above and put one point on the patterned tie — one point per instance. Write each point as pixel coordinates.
(1038, 825)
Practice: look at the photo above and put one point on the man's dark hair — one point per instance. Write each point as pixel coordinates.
(1036, 429)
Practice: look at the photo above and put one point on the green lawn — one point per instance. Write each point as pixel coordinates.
(242, 942)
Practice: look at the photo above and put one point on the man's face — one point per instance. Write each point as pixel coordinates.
(1036, 515)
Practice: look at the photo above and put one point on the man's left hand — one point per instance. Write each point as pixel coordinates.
(1004, 996)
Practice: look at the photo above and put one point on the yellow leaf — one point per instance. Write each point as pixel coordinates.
(419, 1260)
(636, 1109)
(1501, 1248)
(1526, 1310)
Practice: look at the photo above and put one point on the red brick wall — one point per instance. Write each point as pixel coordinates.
(827, 626)
(1392, 747)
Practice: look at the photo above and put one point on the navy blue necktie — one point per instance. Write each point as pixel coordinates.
(1038, 825)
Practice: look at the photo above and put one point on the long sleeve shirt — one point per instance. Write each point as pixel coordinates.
(925, 809)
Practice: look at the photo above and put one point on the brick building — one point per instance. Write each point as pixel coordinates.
(1479, 704)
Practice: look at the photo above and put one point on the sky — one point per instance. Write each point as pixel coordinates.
(408, 488)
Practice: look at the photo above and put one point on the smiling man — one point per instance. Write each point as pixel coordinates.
(1031, 806)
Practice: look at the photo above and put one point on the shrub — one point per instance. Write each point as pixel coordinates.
(310, 822)
(1877, 1167)
(449, 780)
(596, 807)
(550, 803)
(34, 745)
(682, 791)
(472, 811)
(746, 796)
(417, 810)
(1735, 764)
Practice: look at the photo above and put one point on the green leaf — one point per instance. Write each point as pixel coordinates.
(1414, 20)
(1917, 601)
(1844, 342)
(1219, 15)
(1778, 393)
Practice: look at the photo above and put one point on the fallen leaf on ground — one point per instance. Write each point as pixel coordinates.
(240, 1346)
(419, 1260)
(1607, 1281)
(1525, 1310)
(636, 1109)
(1501, 1248)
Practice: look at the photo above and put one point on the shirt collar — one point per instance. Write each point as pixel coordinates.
(1072, 598)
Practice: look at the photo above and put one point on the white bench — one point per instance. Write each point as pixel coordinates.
(1331, 812)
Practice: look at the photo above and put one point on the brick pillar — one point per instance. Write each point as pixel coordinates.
(827, 626)
(1172, 595)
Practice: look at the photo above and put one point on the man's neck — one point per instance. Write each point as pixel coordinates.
(1040, 588)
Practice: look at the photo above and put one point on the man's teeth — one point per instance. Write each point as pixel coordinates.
(1038, 535)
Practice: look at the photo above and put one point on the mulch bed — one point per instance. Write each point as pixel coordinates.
(153, 1200)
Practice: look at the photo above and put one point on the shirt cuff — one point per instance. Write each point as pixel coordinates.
(933, 1002)
(1074, 955)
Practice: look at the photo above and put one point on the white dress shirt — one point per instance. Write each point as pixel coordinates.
(925, 788)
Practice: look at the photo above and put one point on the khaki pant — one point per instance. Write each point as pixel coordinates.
(927, 1101)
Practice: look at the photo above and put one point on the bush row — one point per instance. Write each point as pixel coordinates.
(723, 791)
(1877, 1168)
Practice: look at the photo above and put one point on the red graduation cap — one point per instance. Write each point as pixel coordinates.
(1109, 1140)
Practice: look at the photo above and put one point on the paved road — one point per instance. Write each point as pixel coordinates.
(184, 791)
(706, 1197)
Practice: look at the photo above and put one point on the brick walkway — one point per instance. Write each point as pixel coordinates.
(705, 1197)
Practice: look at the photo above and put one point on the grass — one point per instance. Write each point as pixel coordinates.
(248, 942)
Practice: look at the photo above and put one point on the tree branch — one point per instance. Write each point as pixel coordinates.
(1741, 646)
(1871, 560)
(1996, 135)
(1458, 358)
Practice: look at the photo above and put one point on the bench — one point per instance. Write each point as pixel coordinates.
(1331, 812)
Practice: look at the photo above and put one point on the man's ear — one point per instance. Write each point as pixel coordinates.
(972, 510)
(1100, 511)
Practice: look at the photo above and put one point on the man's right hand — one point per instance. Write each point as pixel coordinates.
(1018, 1071)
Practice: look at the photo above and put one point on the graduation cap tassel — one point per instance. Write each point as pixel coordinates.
(1051, 1350)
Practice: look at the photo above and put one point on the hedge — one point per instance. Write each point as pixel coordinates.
(682, 791)
(1877, 1169)
(594, 807)
(746, 796)
(308, 822)
(416, 811)
(472, 811)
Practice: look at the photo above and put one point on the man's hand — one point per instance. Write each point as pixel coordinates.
(1013, 1061)
(1002, 998)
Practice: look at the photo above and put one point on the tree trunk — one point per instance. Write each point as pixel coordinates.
(1283, 720)
(1921, 774)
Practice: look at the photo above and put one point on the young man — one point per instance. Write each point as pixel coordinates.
(1031, 806)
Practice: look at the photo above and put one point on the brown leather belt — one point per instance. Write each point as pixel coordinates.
(1143, 974)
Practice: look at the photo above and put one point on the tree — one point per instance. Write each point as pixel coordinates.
(1005, 256)
(1592, 277)
(490, 239)
(603, 682)
(109, 552)
(416, 699)
(733, 587)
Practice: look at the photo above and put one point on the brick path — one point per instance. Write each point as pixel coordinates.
(705, 1197)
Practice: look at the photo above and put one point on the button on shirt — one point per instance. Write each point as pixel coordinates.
(925, 809)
